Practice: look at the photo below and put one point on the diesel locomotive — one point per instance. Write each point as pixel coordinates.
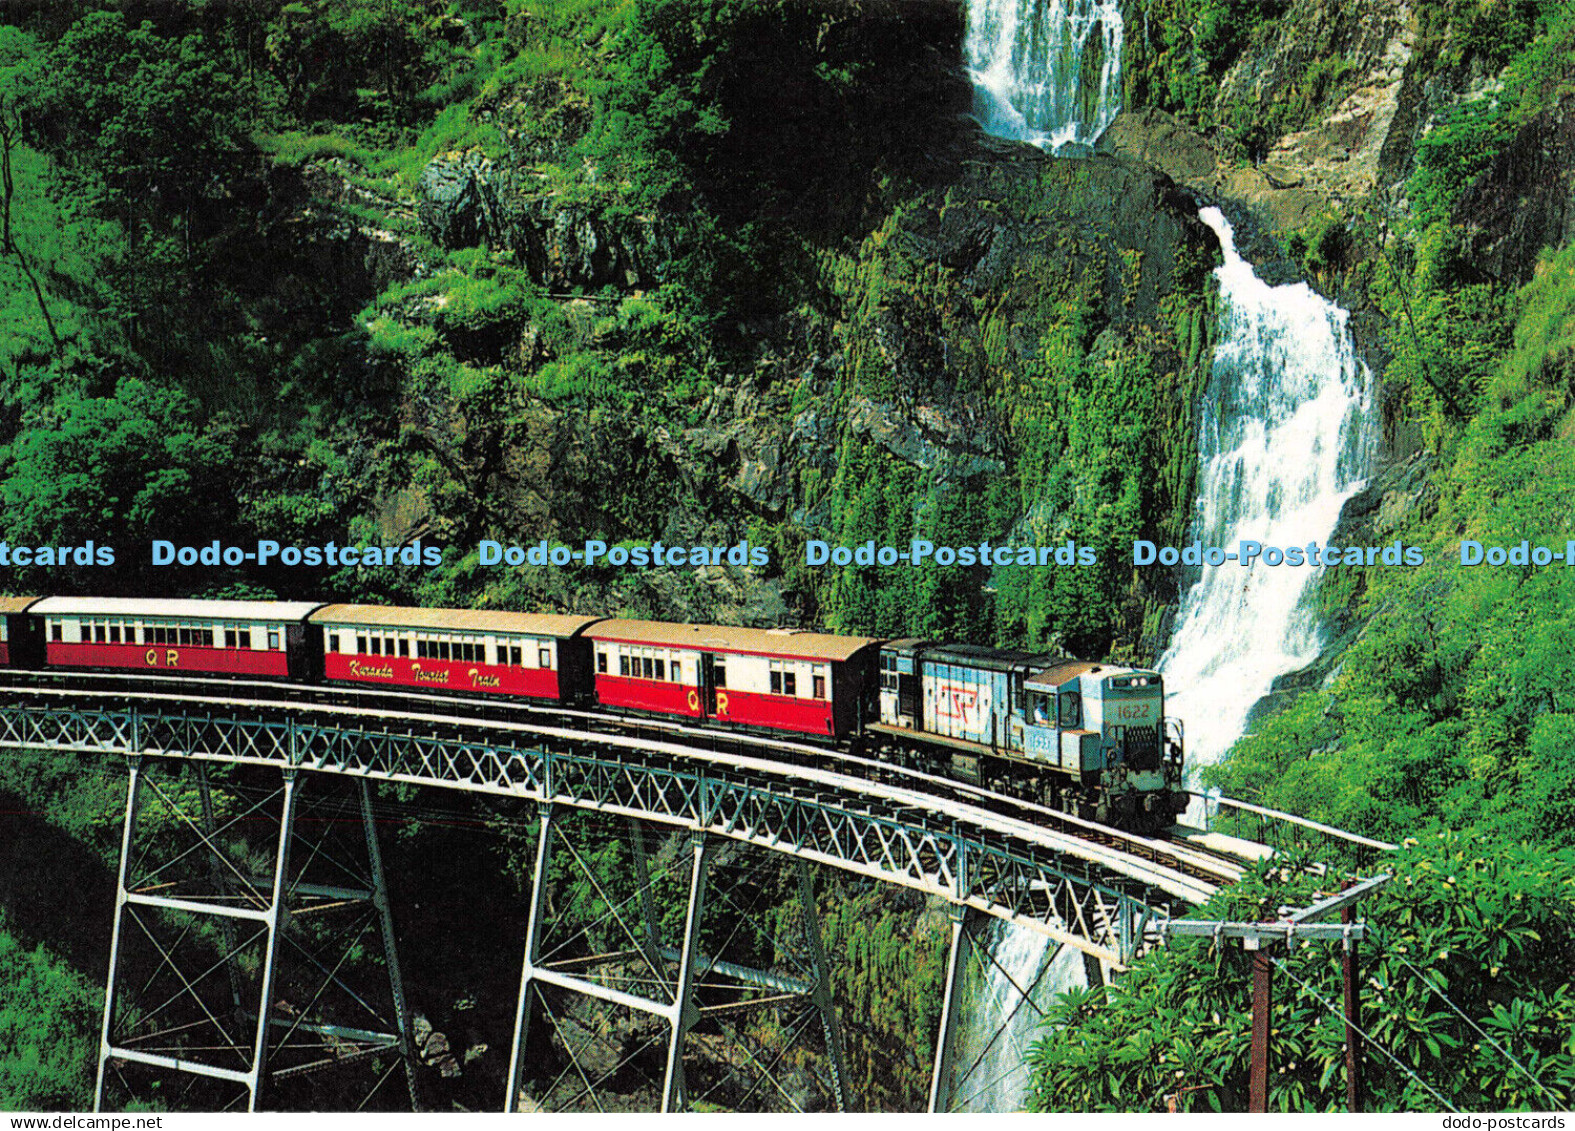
(1086, 737)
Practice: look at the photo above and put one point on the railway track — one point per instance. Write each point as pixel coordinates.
(1196, 863)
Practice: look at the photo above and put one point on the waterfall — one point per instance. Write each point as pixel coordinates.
(990, 1065)
(1045, 71)
(1284, 440)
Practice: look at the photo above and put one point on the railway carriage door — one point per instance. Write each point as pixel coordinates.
(707, 675)
(908, 695)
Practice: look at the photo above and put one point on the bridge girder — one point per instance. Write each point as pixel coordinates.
(881, 834)
(191, 905)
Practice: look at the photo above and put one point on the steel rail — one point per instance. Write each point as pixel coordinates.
(1172, 881)
(1208, 867)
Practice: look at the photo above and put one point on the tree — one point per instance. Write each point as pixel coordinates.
(150, 126)
(119, 470)
(19, 55)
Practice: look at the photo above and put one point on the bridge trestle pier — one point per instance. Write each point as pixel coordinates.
(623, 958)
(234, 949)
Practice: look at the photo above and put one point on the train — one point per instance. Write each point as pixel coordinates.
(1085, 737)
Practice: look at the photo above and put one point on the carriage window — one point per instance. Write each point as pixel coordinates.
(517, 657)
(820, 687)
(623, 665)
(55, 630)
(377, 645)
(789, 683)
(404, 648)
(719, 673)
(661, 669)
(273, 640)
(1071, 710)
(601, 662)
(776, 683)
(114, 634)
(245, 637)
(1041, 705)
(647, 666)
(675, 670)
(360, 645)
(542, 654)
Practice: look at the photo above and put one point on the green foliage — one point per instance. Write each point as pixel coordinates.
(146, 122)
(889, 967)
(1488, 31)
(139, 464)
(49, 1016)
(1181, 49)
(1454, 153)
(1487, 928)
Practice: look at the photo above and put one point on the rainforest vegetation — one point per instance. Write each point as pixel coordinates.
(705, 270)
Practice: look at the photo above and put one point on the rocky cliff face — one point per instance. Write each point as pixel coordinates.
(936, 266)
(468, 199)
(1347, 66)
(1525, 203)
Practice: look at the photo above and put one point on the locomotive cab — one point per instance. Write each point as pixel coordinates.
(1105, 726)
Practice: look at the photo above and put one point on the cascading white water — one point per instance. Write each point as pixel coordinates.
(990, 1061)
(1285, 439)
(1027, 60)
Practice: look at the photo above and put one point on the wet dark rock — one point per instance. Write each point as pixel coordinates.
(458, 199)
(1525, 203)
(468, 199)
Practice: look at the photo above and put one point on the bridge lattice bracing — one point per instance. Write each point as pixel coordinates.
(609, 946)
(240, 914)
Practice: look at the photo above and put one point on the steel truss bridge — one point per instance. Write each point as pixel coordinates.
(229, 962)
